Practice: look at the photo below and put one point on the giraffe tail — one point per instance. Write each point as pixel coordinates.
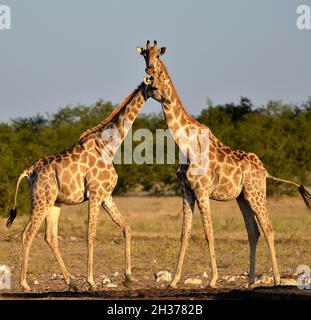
(306, 195)
(13, 212)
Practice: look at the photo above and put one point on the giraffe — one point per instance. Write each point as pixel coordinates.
(83, 172)
(228, 173)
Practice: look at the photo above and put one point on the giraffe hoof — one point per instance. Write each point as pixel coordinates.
(25, 287)
(172, 285)
(250, 284)
(93, 288)
(72, 285)
(212, 284)
(129, 281)
(277, 282)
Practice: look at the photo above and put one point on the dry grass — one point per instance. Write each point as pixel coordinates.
(156, 225)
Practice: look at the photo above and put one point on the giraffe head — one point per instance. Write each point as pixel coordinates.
(157, 80)
(152, 56)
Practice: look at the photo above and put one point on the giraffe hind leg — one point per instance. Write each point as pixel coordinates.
(252, 232)
(117, 218)
(28, 236)
(259, 206)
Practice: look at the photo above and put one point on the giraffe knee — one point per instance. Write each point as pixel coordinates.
(185, 234)
(91, 237)
(270, 230)
(51, 240)
(24, 236)
(127, 230)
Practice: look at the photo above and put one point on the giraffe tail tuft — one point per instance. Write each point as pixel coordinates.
(13, 213)
(306, 196)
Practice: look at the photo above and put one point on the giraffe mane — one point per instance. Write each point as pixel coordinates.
(110, 117)
(188, 116)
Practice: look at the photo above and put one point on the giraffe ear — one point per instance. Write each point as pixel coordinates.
(162, 51)
(140, 50)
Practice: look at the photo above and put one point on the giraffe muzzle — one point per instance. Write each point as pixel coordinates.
(149, 70)
(147, 81)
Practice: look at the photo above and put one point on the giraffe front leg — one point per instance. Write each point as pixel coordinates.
(94, 206)
(188, 207)
(204, 207)
(117, 218)
(51, 237)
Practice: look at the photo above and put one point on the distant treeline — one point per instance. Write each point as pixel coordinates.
(279, 133)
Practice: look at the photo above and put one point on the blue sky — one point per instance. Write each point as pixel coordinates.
(69, 52)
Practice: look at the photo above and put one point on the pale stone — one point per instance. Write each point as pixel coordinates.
(232, 279)
(106, 280)
(163, 276)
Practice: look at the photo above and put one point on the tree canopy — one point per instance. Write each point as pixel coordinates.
(279, 133)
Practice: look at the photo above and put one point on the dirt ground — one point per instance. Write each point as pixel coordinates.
(156, 227)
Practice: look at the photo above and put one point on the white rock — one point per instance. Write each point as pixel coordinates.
(163, 276)
(54, 276)
(116, 274)
(36, 282)
(106, 280)
(194, 281)
(111, 285)
(232, 279)
(205, 275)
(225, 278)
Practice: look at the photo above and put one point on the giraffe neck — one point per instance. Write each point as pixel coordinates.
(120, 121)
(176, 116)
(175, 113)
